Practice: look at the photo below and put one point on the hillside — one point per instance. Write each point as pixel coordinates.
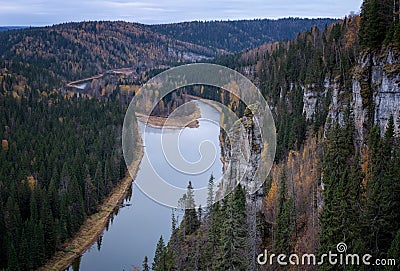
(236, 36)
(50, 56)
(6, 28)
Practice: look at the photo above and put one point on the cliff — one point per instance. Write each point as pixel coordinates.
(242, 148)
(373, 94)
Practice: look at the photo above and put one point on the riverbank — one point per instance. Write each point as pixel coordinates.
(186, 120)
(95, 224)
(217, 106)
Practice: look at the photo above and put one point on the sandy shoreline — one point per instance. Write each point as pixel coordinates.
(190, 120)
(216, 105)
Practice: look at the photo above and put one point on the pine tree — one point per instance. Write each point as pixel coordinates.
(233, 242)
(394, 253)
(210, 193)
(190, 218)
(146, 266)
(376, 19)
(284, 224)
(160, 256)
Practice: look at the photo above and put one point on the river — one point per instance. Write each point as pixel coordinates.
(134, 231)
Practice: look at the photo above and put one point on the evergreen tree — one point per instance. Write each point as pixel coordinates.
(210, 193)
(173, 222)
(160, 256)
(394, 253)
(381, 216)
(146, 266)
(50, 233)
(190, 218)
(41, 211)
(90, 197)
(284, 223)
(99, 182)
(340, 218)
(376, 19)
(214, 234)
(233, 243)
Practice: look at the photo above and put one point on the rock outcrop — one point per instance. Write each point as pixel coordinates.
(374, 93)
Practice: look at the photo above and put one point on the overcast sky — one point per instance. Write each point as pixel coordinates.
(48, 12)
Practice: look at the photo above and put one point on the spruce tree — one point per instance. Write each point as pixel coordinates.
(145, 265)
(376, 20)
(340, 217)
(378, 221)
(210, 193)
(233, 246)
(159, 261)
(394, 253)
(190, 218)
(284, 223)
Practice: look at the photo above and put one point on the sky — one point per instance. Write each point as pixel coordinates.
(48, 12)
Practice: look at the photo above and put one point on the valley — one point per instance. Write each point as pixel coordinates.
(66, 201)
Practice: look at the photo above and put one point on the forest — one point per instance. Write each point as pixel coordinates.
(236, 36)
(55, 171)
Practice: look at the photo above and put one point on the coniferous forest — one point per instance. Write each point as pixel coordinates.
(54, 171)
(336, 174)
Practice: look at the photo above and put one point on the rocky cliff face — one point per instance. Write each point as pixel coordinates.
(385, 83)
(242, 158)
(375, 90)
(374, 93)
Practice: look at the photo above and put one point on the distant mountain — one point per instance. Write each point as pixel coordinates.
(6, 28)
(236, 36)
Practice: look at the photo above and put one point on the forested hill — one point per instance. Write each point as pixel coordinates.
(236, 36)
(6, 28)
(76, 50)
(50, 56)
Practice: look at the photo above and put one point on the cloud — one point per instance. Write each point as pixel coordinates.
(45, 12)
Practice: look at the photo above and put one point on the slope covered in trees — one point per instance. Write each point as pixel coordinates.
(328, 185)
(236, 36)
(285, 70)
